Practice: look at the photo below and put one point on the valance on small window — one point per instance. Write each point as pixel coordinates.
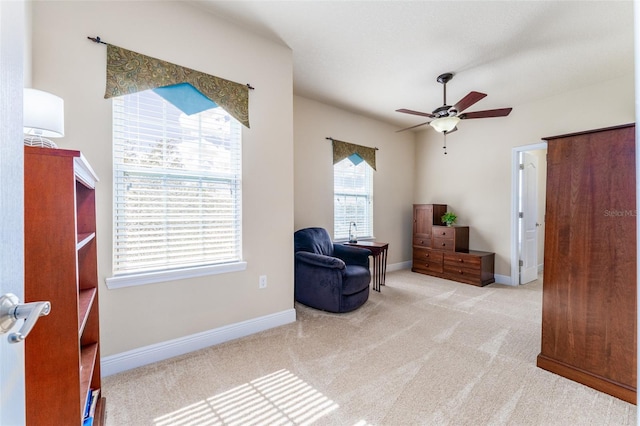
(188, 89)
(355, 153)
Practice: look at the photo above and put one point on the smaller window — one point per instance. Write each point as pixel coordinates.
(352, 199)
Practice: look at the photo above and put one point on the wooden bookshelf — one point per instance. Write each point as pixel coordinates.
(62, 354)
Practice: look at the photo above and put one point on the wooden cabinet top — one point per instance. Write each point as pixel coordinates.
(588, 132)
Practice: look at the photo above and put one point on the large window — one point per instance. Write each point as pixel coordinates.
(352, 199)
(177, 182)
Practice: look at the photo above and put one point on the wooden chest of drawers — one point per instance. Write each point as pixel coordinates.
(427, 260)
(450, 238)
(443, 251)
(475, 267)
(472, 267)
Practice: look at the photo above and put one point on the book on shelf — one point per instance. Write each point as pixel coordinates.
(90, 409)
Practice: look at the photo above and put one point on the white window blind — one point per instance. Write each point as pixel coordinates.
(352, 199)
(177, 186)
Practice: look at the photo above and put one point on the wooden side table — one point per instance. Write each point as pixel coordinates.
(379, 254)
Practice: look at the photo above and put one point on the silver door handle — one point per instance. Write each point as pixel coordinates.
(11, 311)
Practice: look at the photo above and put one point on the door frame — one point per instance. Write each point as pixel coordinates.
(515, 198)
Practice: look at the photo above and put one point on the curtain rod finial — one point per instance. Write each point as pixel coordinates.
(96, 40)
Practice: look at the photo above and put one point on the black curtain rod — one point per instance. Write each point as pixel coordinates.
(96, 39)
(331, 139)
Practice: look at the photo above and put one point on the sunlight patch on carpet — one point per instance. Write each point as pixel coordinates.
(280, 398)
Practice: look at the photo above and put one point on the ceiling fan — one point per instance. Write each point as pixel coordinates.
(446, 117)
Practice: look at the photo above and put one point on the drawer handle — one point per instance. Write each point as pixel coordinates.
(460, 260)
(444, 244)
(426, 255)
(426, 265)
(460, 272)
(421, 241)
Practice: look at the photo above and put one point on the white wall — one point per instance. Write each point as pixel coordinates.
(69, 65)
(393, 180)
(474, 178)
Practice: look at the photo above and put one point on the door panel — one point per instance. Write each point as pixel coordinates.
(529, 220)
(12, 27)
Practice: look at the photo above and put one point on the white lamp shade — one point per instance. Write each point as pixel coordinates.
(43, 114)
(445, 124)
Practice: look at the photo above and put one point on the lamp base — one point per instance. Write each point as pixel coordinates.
(39, 141)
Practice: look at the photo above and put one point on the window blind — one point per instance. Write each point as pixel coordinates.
(353, 198)
(177, 186)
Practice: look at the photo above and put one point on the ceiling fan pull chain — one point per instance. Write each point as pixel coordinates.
(445, 143)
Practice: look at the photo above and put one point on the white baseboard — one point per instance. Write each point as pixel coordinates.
(503, 279)
(160, 351)
(399, 266)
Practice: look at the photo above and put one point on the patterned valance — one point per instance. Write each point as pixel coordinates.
(342, 150)
(131, 72)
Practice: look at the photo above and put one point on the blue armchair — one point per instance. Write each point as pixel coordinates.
(328, 276)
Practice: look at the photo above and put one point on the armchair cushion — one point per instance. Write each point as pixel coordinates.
(352, 255)
(313, 240)
(358, 277)
(321, 260)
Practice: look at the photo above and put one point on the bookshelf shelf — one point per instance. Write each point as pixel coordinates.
(86, 298)
(84, 239)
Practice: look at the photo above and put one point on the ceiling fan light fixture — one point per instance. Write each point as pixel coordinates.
(445, 124)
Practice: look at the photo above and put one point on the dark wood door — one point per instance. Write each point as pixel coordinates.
(422, 220)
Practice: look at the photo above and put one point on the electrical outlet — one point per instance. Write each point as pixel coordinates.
(262, 282)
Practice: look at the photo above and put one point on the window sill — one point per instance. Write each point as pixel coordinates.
(173, 275)
(346, 240)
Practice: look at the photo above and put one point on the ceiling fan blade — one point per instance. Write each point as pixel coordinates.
(500, 112)
(468, 100)
(410, 111)
(412, 127)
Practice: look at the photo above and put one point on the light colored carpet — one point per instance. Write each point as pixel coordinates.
(423, 351)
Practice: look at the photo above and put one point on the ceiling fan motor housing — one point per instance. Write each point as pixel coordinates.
(444, 111)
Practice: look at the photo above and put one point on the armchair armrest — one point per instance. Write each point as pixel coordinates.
(321, 260)
(352, 255)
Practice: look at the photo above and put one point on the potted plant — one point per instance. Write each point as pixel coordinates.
(449, 218)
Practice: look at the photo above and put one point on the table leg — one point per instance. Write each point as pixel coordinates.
(384, 266)
(376, 283)
(378, 270)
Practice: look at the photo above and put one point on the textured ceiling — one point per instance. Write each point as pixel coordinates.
(373, 57)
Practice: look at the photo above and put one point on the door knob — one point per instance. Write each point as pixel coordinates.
(11, 311)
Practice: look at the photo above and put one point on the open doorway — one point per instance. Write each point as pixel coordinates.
(528, 195)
